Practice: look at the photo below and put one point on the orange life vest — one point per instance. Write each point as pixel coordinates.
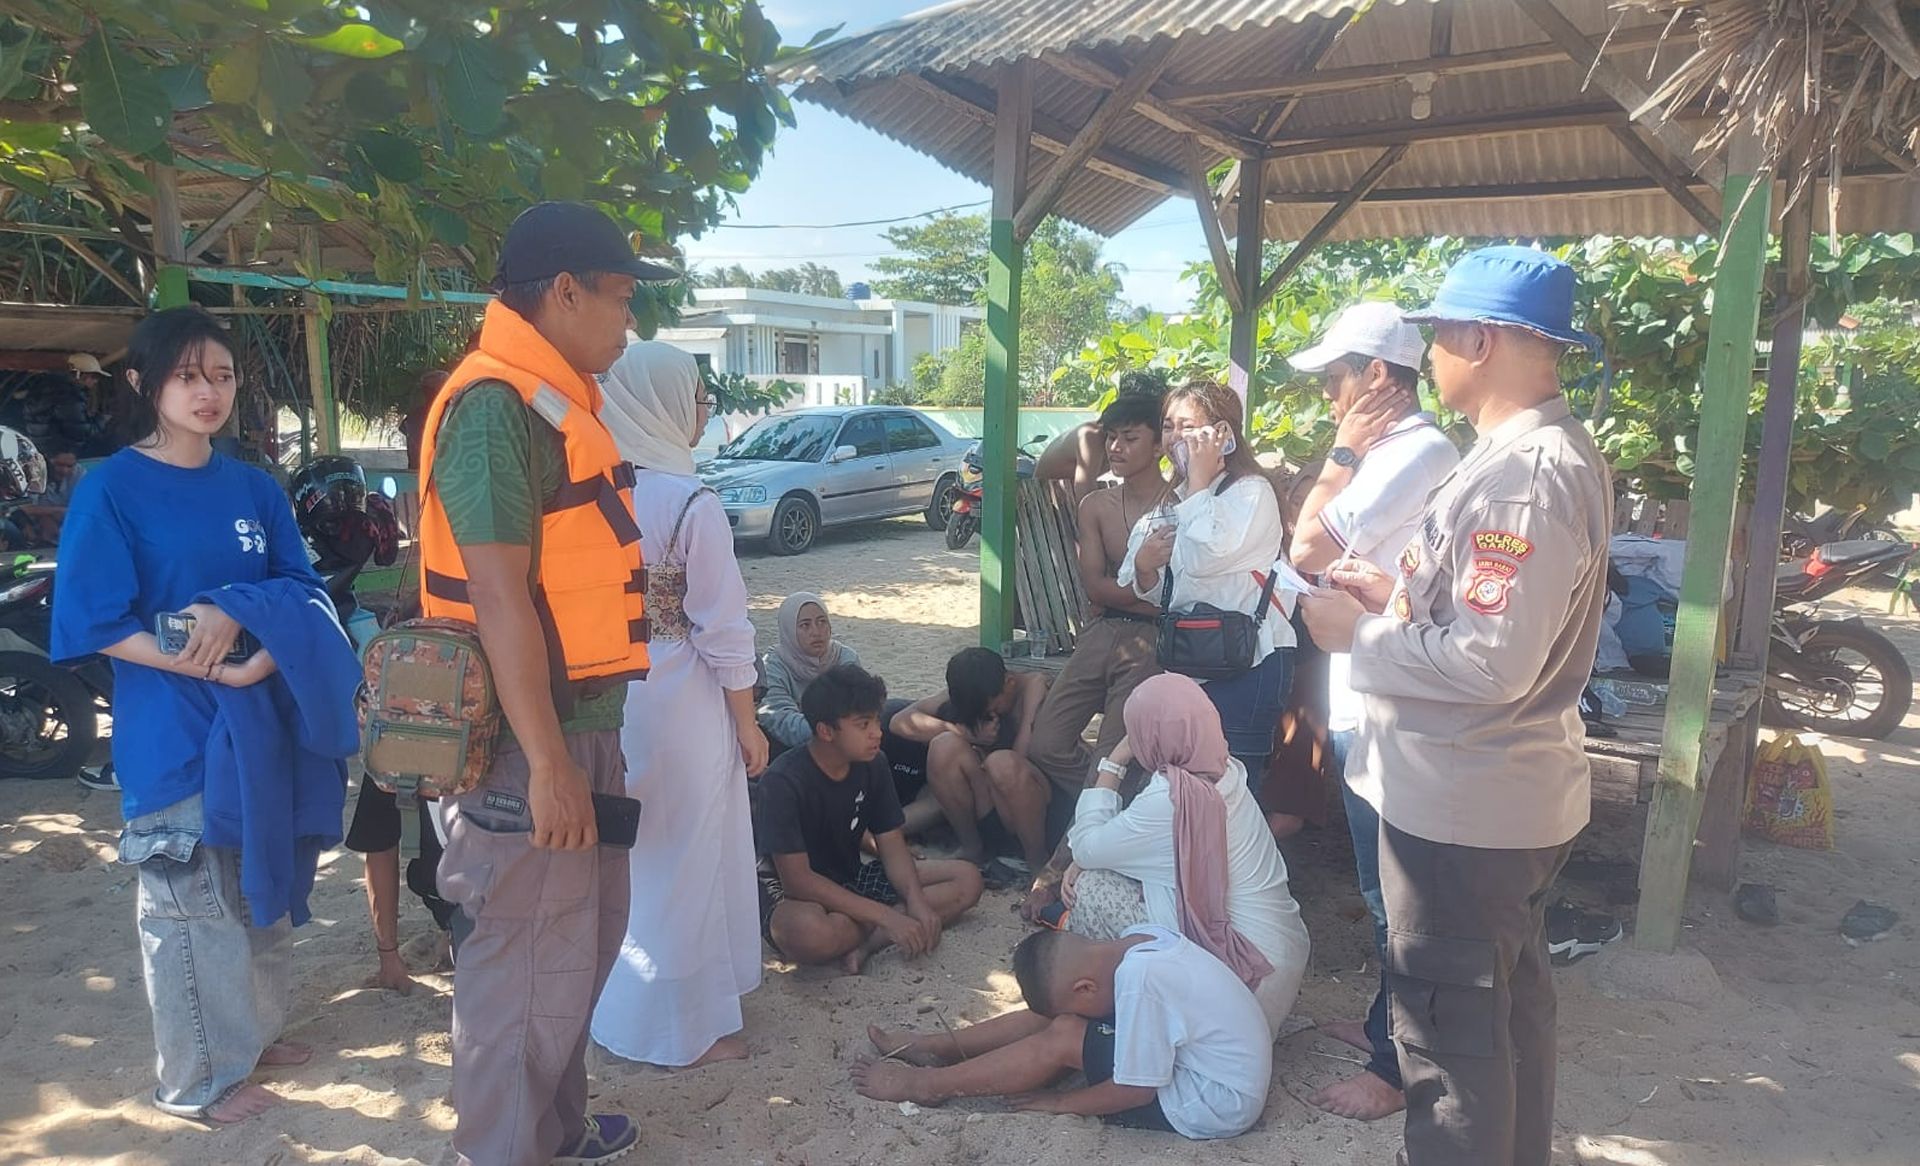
(590, 586)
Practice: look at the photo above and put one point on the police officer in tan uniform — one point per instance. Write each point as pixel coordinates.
(1471, 658)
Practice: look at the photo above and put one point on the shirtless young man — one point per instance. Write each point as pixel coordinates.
(1116, 651)
(1078, 456)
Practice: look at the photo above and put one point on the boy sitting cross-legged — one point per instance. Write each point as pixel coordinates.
(1166, 1035)
(818, 902)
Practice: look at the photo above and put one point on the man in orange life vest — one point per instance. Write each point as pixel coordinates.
(527, 531)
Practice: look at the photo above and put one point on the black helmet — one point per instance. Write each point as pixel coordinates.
(328, 488)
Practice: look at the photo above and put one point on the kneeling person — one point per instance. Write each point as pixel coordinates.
(818, 902)
(1166, 1035)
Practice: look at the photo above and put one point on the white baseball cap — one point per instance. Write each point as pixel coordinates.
(1373, 328)
(84, 362)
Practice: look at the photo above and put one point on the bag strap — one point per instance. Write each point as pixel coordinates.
(1266, 597)
(673, 540)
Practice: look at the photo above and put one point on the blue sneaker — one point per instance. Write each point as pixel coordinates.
(608, 1136)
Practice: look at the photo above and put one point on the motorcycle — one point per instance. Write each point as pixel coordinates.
(49, 714)
(969, 498)
(1800, 535)
(1835, 675)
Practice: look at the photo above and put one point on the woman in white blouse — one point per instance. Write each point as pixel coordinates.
(1220, 539)
(1191, 852)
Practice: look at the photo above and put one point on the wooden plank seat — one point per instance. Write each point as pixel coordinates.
(1626, 766)
(1046, 575)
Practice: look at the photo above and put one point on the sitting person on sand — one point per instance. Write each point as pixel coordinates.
(818, 902)
(806, 649)
(965, 750)
(1192, 852)
(1167, 1036)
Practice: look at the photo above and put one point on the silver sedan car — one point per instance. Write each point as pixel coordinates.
(792, 474)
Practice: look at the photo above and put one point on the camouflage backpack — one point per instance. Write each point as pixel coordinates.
(429, 716)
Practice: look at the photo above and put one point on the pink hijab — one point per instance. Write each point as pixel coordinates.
(1175, 731)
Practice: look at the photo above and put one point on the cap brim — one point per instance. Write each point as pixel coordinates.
(1576, 339)
(647, 271)
(1317, 358)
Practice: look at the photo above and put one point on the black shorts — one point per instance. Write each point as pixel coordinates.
(909, 758)
(871, 883)
(376, 828)
(1096, 1061)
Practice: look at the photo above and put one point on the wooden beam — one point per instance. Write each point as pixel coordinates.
(1440, 30)
(1089, 69)
(1249, 238)
(1117, 104)
(1320, 230)
(1631, 95)
(977, 102)
(169, 238)
(1667, 856)
(326, 412)
(1318, 50)
(1511, 190)
(1439, 129)
(1202, 192)
(217, 229)
(1309, 81)
(93, 259)
(1671, 180)
(1013, 134)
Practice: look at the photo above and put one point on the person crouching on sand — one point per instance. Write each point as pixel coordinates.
(1167, 1035)
(819, 902)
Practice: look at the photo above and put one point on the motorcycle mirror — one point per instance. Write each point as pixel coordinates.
(390, 487)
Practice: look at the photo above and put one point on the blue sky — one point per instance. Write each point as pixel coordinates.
(828, 169)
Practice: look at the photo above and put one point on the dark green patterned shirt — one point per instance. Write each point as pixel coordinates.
(481, 461)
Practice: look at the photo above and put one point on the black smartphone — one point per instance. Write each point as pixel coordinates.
(172, 629)
(617, 819)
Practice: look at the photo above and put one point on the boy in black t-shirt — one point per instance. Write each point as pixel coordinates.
(819, 903)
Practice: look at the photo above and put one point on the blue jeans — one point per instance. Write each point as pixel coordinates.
(1363, 824)
(217, 987)
(1249, 706)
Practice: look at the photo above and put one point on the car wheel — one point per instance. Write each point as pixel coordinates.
(945, 492)
(794, 526)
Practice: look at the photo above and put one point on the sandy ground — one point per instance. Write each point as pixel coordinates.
(1807, 1052)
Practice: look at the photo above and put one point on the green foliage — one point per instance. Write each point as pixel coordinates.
(733, 392)
(427, 124)
(1068, 294)
(812, 279)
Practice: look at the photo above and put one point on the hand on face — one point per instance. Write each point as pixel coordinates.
(1206, 453)
(1371, 415)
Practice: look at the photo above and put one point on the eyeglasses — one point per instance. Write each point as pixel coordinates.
(706, 402)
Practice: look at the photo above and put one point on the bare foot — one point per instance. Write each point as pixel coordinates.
(890, 1081)
(727, 1048)
(1364, 1098)
(855, 961)
(243, 1103)
(284, 1052)
(912, 1048)
(1352, 1032)
(1039, 899)
(443, 954)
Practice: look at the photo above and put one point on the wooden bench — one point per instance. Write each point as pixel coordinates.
(1046, 576)
(1626, 766)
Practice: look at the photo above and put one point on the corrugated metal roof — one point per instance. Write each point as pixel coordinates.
(928, 81)
(967, 33)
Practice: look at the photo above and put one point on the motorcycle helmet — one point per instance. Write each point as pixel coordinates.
(23, 472)
(327, 489)
(385, 526)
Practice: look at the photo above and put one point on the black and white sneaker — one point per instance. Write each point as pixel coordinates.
(1574, 933)
(102, 779)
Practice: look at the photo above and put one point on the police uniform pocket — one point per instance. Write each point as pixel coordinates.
(1443, 992)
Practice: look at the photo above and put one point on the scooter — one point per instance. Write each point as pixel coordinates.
(969, 498)
(1835, 675)
(49, 714)
(1800, 535)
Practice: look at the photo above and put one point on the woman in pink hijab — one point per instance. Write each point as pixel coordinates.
(1195, 845)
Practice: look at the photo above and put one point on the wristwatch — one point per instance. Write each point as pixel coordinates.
(1343, 457)
(1111, 768)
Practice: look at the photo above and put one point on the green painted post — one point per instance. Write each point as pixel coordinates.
(1726, 387)
(169, 239)
(326, 411)
(1012, 131)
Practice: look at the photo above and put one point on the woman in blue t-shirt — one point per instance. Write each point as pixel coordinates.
(151, 528)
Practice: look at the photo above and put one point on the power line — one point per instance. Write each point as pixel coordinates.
(836, 226)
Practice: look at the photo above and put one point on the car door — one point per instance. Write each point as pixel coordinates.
(917, 457)
(863, 485)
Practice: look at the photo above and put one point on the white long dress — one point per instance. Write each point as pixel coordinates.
(693, 932)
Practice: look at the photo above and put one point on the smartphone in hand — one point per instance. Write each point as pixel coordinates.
(174, 628)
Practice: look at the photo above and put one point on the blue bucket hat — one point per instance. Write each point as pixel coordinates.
(1518, 287)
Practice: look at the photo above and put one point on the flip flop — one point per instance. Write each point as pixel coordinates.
(998, 874)
(1865, 922)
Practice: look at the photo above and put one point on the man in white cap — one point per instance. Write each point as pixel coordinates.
(1366, 504)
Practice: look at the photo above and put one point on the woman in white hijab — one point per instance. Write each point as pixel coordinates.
(693, 932)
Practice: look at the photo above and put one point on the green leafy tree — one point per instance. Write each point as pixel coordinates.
(428, 124)
(943, 261)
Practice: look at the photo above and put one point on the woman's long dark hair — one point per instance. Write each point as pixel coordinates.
(1222, 407)
(162, 344)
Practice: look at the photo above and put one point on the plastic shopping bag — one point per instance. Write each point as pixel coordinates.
(1788, 796)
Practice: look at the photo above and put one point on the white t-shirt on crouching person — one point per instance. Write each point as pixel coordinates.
(1186, 1026)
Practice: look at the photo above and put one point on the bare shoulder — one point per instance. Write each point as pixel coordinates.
(1099, 505)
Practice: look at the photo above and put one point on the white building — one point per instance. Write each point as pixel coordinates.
(839, 350)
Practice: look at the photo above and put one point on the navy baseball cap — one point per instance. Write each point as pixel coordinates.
(551, 237)
(1518, 287)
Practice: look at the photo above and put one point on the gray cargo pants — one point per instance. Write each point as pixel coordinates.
(1473, 1002)
(547, 925)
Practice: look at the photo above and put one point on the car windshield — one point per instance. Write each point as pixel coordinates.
(793, 438)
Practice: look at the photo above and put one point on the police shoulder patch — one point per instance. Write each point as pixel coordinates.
(1501, 542)
(1410, 559)
(1488, 584)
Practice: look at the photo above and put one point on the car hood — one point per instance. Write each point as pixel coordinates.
(728, 472)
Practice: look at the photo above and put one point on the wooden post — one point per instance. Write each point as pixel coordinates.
(1012, 131)
(326, 412)
(1249, 237)
(169, 239)
(1667, 859)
